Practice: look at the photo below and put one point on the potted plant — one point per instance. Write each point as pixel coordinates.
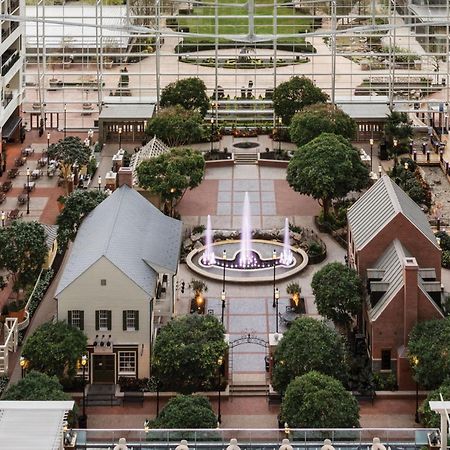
(198, 302)
(297, 302)
(17, 309)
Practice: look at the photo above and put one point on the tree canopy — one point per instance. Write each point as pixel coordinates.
(76, 207)
(308, 344)
(429, 351)
(23, 251)
(55, 349)
(36, 386)
(292, 96)
(398, 127)
(338, 292)
(315, 400)
(326, 168)
(186, 411)
(171, 174)
(190, 93)
(176, 126)
(320, 118)
(187, 353)
(432, 419)
(69, 151)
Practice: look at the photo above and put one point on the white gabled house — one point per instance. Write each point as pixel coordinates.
(121, 265)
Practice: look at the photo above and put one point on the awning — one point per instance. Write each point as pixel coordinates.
(10, 126)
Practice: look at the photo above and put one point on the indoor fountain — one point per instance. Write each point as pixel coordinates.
(246, 259)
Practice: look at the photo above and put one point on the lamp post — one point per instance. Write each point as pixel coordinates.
(3, 219)
(23, 364)
(415, 363)
(99, 182)
(48, 148)
(371, 153)
(222, 297)
(274, 260)
(212, 134)
(406, 167)
(280, 122)
(120, 138)
(219, 412)
(65, 120)
(28, 190)
(84, 360)
(277, 298)
(395, 142)
(379, 171)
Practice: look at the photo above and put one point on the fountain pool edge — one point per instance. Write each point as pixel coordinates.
(257, 279)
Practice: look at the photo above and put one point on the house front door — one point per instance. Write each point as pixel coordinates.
(103, 369)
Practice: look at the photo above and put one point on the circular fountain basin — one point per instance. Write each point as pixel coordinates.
(261, 271)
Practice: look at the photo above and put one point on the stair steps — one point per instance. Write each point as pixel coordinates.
(245, 159)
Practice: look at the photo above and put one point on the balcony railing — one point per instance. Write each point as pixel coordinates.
(8, 97)
(7, 31)
(255, 439)
(9, 61)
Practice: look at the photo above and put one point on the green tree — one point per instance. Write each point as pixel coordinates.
(431, 419)
(398, 127)
(190, 93)
(176, 126)
(68, 152)
(326, 168)
(186, 411)
(429, 350)
(76, 207)
(315, 400)
(23, 252)
(36, 386)
(320, 118)
(292, 96)
(171, 174)
(55, 349)
(338, 292)
(308, 344)
(186, 353)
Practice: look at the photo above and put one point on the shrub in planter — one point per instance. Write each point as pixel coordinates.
(129, 384)
(445, 262)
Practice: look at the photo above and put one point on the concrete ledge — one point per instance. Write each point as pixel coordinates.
(271, 162)
(221, 162)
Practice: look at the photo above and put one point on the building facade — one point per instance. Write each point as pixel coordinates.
(118, 281)
(392, 247)
(12, 51)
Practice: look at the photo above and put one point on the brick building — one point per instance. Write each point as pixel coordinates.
(392, 247)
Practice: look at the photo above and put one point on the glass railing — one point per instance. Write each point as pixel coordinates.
(9, 62)
(6, 32)
(255, 439)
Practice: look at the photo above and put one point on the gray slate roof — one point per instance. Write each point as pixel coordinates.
(378, 206)
(51, 233)
(132, 234)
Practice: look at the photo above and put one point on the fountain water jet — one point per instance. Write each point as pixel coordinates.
(245, 258)
(286, 257)
(208, 257)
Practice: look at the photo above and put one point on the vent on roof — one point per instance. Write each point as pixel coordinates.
(103, 282)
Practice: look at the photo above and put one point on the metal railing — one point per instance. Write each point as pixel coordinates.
(255, 439)
(11, 341)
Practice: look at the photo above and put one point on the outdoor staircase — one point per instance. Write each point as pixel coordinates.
(245, 159)
(248, 389)
(102, 395)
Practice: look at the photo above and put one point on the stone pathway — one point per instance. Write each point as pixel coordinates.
(249, 307)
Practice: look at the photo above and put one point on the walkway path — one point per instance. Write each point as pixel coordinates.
(249, 308)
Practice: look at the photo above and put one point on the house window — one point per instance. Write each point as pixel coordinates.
(131, 320)
(75, 318)
(103, 320)
(385, 360)
(127, 363)
(103, 282)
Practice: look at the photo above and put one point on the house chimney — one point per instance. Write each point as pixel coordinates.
(125, 176)
(410, 296)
